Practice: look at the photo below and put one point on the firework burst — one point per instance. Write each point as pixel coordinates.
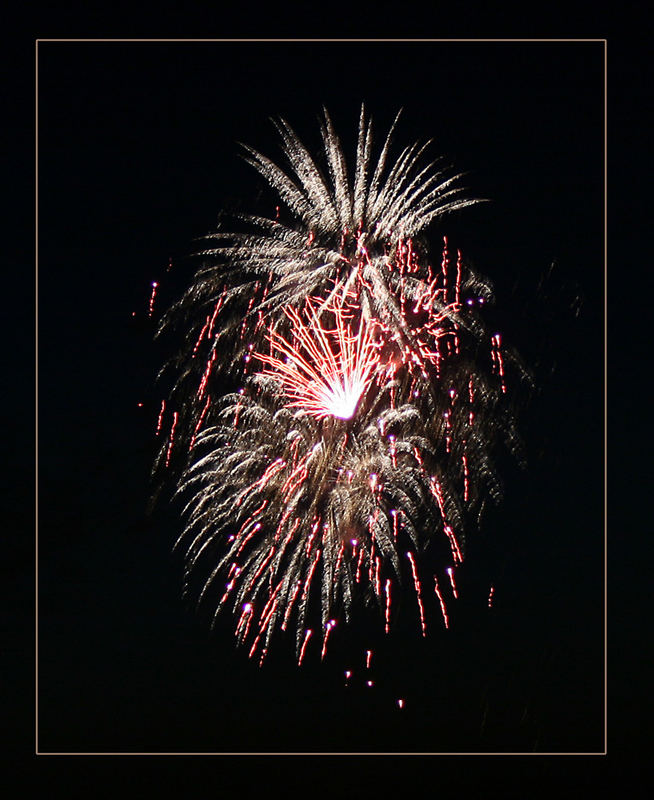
(372, 398)
(328, 366)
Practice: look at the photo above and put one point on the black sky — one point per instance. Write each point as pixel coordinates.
(138, 154)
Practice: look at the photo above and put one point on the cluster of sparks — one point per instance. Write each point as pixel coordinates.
(370, 400)
(325, 369)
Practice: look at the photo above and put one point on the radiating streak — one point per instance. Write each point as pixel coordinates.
(328, 370)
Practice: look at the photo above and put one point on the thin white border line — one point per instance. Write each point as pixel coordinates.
(305, 753)
(606, 437)
(36, 216)
(36, 394)
(381, 41)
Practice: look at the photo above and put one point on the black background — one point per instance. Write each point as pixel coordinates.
(137, 154)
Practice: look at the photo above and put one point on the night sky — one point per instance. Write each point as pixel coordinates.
(138, 154)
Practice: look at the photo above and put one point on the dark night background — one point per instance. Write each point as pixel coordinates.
(138, 154)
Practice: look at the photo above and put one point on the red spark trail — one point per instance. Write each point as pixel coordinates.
(444, 264)
(246, 617)
(172, 436)
(458, 277)
(496, 352)
(161, 413)
(416, 583)
(307, 636)
(200, 337)
(215, 312)
(328, 628)
(442, 602)
(199, 423)
(387, 588)
(205, 377)
(450, 572)
(152, 296)
(289, 605)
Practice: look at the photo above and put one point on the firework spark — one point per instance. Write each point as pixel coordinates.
(371, 403)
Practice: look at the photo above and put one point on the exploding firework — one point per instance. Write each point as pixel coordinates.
(330, 366)
(371, 404)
